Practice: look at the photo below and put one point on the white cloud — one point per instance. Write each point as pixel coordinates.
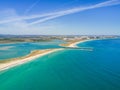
(12, 23)
(52, 15)
(78, 9)
(31, 7)
(21, 26)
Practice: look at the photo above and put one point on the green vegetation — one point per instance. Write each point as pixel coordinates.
(13, 40)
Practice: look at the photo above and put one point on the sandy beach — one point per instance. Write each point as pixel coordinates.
(6, 64)
(74, 43)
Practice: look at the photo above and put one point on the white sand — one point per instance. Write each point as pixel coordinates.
(7, 65)
(75, 44)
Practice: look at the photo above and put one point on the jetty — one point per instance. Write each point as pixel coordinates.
(80, 48)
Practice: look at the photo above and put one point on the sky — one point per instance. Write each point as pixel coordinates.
(60, 17)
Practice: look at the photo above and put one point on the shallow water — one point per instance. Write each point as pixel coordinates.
(14, 50)
(69, 70)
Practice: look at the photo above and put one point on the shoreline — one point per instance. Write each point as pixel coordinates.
(73, 44)
(9, 63)
(6, 64)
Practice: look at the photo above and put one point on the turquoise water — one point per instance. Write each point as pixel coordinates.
(69, 70)
(22, 49)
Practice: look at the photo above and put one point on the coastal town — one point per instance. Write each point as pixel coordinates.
(44, 38)
(71, 42)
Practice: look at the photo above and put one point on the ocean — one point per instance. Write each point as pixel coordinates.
(14, 50)
(67, 69)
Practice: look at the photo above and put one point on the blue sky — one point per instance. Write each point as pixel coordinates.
(73, 17)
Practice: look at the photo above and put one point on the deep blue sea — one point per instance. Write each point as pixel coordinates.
(67, 69)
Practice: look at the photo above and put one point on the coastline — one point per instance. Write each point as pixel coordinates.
(9, 63)
(6, 64)
(73, 44)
